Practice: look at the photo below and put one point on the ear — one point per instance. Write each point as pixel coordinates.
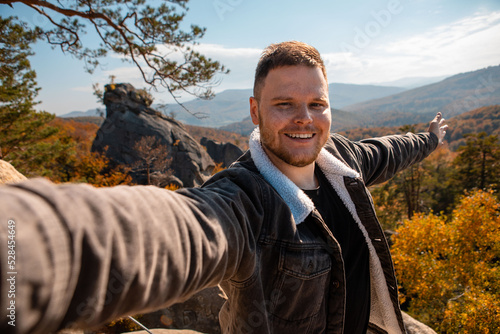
(254, 110)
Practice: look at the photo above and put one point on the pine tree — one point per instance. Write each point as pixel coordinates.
(146, 34)
(478, 164)
(22, 128)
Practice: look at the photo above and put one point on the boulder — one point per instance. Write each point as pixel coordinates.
(129, 118)
(200, 314)
(416, 327)
(223, 153)
(8, 174)
(166, 331)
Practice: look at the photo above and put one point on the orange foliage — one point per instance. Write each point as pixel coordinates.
(82, 133)
(78, 163)
(449, 270)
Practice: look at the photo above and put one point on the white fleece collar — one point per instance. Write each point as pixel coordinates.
(298, 202)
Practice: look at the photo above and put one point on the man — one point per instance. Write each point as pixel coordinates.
(289, 231)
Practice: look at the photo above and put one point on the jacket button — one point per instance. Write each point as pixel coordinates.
(336, 284)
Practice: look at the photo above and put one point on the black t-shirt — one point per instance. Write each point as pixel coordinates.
(354, 253)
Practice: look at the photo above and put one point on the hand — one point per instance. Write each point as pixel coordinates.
(438, 127)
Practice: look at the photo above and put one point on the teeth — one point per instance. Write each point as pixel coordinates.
(300, 135)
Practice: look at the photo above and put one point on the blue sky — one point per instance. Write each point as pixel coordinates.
(362, 42)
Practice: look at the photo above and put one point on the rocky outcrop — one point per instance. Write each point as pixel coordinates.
(8, 174)
(416, 327)
(223, 153)
(167, 331)
(200, 313)
(129, 118)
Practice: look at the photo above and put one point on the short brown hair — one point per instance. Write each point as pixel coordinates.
(290, 53)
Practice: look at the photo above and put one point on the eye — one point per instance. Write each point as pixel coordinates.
(284, 105)
(317, 105)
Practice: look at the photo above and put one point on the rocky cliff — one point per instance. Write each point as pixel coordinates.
(129, 118)
(223, 153)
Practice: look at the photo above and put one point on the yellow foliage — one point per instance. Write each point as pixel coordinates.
(475, 312)
(449, 270)
(218, 167)
(172, 187)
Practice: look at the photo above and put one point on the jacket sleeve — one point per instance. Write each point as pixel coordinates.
(379, 159)
(85, 256)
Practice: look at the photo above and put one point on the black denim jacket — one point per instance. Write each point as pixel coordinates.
(297, 282)
(87, 256)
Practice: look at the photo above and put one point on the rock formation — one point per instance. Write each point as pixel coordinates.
(200, 314)
(416, 327)
(8, 174)
(129, 118)
(224, 153)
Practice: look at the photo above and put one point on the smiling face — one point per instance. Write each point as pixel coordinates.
(293, 114)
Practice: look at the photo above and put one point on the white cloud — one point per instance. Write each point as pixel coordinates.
(465, 45)
(220, 51)
(446, 35)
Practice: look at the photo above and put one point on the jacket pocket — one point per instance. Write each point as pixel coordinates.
(300, 287)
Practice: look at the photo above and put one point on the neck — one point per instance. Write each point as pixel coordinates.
(303, 177)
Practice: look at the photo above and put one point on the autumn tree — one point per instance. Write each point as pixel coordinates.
(146, 35)
(77, 163)
(449, 270)
(478, 162)
(96, 169)
(152, 156)
(22, 128)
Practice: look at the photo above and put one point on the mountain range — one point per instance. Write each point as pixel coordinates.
(232, 105)
(354, 106)
(452, 96)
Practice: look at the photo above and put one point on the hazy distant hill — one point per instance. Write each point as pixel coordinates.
(342, 95)
(412, 82)
(88, 113)
(226, 107)
(484, 119)
(231, 106)
(361, 105)
(452, 96)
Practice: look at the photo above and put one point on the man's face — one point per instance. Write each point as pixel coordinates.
(293, 114)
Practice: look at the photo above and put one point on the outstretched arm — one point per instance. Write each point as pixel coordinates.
(85, 256)
(379, 159)
(438, 127)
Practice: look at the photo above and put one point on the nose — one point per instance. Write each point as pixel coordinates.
(303, 115)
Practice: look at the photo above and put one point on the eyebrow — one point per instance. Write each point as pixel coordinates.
(288, 98)
(281, 98)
